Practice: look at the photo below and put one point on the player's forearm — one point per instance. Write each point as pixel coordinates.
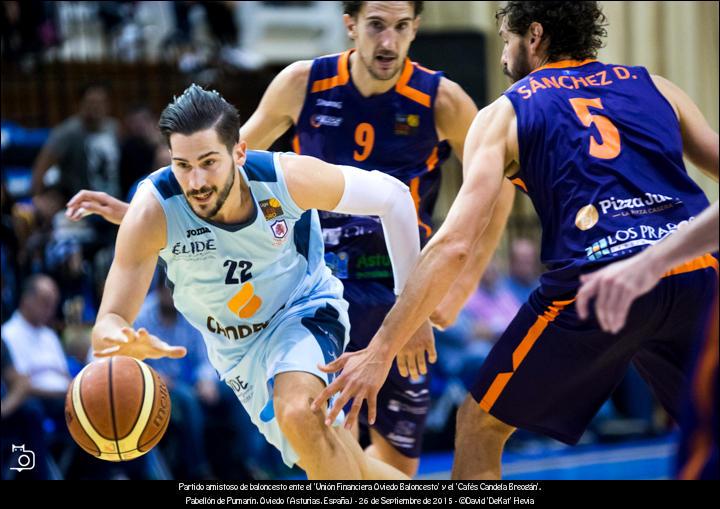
(484, 249)
(695, 239)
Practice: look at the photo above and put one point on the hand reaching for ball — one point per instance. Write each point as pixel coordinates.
(139, 344)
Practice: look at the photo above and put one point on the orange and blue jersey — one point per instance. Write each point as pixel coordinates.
(393, 132)
(601, 158)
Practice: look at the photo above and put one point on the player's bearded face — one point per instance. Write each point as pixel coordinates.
(516, 62)
(201, 200)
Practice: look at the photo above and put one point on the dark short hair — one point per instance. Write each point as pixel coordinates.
(575, 29)
(198, 109)
(353, 8)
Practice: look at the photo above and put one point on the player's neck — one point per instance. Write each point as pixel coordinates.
(364, 81)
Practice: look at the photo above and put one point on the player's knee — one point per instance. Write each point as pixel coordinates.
(296, 418)
(473, 420)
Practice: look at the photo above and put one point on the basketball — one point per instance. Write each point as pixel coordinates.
(117, 409)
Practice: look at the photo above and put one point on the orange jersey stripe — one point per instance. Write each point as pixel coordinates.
(403, 88)
(518, 356)
(415, 193)
(703, 390)
(432, 160)
(296, 144)
(702, 262)
(519, 182)
(341, 78)
(565, 63)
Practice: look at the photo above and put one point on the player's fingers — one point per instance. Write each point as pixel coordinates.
(432, 354)
(352, 416)
(587, 291)
(372, 407)
(606, 299)
(402, 364)
(620, 310)
(420, 361)
(412, 367)
(322, 398)
(107, 352)
(117, 340)
(79, 197)
(336, 365)
(337, 407)
(175, 352)
(129, 334)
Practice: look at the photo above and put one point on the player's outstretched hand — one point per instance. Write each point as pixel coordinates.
(139, 344)
(614, 289)
(411, 359)
(87, 202)
(363, 374)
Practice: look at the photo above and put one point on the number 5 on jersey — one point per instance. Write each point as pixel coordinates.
(609, 148)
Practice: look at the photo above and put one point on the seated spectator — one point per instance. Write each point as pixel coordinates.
(22, 425)
(38, 354)
(35, 347)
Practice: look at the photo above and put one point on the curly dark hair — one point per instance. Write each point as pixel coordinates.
(574, 29)
(353, 8)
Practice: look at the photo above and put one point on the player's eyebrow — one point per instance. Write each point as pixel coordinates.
(199, 158)
(378, 18)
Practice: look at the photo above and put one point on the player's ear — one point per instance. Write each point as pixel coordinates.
(240, 152)
(536, 33)
(350, 25)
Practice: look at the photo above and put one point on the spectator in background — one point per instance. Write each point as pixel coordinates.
(22, 423)
(463, 347)
(9, 247)
(524, 269)
(27, 28)
(141, 140)
(35, 347)
(493, 306)
(37, 353)
(85, 148)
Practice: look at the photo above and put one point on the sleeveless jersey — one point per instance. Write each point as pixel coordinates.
(601, 159)
(231, 280)
(393, 132)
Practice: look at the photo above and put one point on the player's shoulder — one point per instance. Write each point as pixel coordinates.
(449, 94)
(145, 223)
(296, 74)
(673, 93)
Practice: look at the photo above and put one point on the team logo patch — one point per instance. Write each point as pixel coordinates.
(327, 120)
(271, 209)
(406, 125)
(587, 217)
(279, 229)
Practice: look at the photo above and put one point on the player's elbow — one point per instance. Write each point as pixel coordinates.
(454, 249)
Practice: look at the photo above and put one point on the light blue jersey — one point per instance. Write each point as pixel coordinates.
(259, 291)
